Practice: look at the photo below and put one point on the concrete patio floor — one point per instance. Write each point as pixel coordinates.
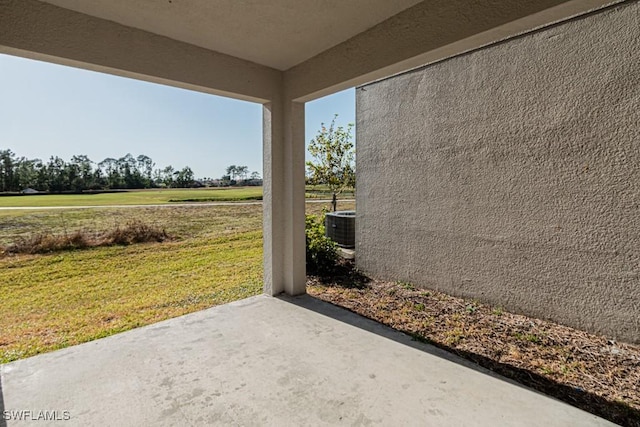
(271, 361)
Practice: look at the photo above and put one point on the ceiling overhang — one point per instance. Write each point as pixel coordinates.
(275, 33)
(258, 49)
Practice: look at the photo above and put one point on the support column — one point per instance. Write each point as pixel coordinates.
(284, 201)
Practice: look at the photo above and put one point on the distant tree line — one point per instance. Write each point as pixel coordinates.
(81, 173)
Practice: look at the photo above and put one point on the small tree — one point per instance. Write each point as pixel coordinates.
(333, 151)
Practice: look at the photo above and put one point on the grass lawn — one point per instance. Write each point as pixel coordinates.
(184, 222)
(56, 300)
(154, 197)
(138, 197)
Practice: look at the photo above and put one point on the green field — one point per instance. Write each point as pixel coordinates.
(55, 300)
(139, 197)
(154, 197)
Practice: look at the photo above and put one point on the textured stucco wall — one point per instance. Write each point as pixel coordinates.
(512, 174)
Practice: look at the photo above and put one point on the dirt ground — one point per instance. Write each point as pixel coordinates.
(590, 372)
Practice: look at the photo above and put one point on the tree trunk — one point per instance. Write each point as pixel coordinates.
(334, 202)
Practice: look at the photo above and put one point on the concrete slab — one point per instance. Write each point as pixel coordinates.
(271, 361)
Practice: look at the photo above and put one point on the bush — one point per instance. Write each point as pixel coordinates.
(322, 252)
(134, 232)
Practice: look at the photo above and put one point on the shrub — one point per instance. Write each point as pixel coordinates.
(134, 232)
(322, 252)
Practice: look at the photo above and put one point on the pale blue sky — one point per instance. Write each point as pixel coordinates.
(48, 109)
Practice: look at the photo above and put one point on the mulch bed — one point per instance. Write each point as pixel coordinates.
(590, 372)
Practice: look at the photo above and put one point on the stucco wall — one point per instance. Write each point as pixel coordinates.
(512, 174)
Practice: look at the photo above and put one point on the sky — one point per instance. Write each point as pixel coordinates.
(53, 110)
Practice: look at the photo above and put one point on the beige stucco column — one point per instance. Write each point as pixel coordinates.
(284, 204)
